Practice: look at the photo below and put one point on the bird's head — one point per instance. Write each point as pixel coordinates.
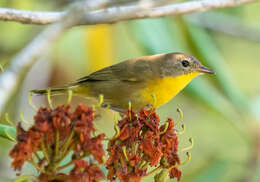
(177, 64)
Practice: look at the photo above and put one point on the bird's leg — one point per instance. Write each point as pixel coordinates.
(113, 108)
(118, 110)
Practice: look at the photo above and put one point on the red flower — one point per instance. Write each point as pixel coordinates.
(140, 142)
(170, 144)
(27, 144)
(61, 121)
(175, 172)
(95, 147)
(151, 147)
(55, 133)
(124, 175)
(83, 172)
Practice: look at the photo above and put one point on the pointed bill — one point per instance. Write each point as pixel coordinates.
(203, 69)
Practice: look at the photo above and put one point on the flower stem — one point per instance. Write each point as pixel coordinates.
(65, 165)
(65, 154)
(57, 137)
(36, 166)
(68, 141)
(43, 147)
(37, 156)
(145, 165)
(154, 171)
(71, 162)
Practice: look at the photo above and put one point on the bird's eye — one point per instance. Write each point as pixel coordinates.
(185, 63)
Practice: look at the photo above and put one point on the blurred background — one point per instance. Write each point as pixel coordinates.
(221, 112)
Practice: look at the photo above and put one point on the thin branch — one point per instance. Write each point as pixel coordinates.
(29, 17)
(22, 62)
(119, 13)
(116, 14)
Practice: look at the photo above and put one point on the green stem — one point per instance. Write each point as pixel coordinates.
(57, 137)
(66, 153)
(71, 162)
(154, 171)
(36, 166)
(43, 147)
(68, 141)
(37, 156)
(65, 166)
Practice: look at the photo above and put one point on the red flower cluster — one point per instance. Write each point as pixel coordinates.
(85, 172)
(28, 142)
(140, 143)
(56, 133)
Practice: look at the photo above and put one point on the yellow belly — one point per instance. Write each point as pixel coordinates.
(164, 89)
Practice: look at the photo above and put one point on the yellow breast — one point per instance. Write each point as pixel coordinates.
(164, 89)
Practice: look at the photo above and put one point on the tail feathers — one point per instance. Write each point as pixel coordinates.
(53, 91)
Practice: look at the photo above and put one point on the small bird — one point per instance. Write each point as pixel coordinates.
(148, 80)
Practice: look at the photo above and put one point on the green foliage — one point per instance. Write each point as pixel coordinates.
(7, 132)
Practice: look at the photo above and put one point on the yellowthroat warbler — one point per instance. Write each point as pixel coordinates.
(141, 80)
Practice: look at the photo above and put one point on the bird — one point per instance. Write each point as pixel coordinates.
(143, 81)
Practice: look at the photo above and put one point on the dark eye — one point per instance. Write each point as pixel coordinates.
(185, 63)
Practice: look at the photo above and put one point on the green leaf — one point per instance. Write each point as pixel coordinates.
(7, 132)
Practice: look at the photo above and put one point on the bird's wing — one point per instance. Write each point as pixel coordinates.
(131, 70)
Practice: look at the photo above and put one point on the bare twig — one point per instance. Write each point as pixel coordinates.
(118, 13)
(22, 62)
(30, 17)
(113, 14)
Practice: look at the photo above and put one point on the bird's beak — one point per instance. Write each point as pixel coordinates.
(203, 69)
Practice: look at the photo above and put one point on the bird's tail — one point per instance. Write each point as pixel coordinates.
(53, 91)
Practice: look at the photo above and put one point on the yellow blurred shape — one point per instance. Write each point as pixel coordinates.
(99, 47)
